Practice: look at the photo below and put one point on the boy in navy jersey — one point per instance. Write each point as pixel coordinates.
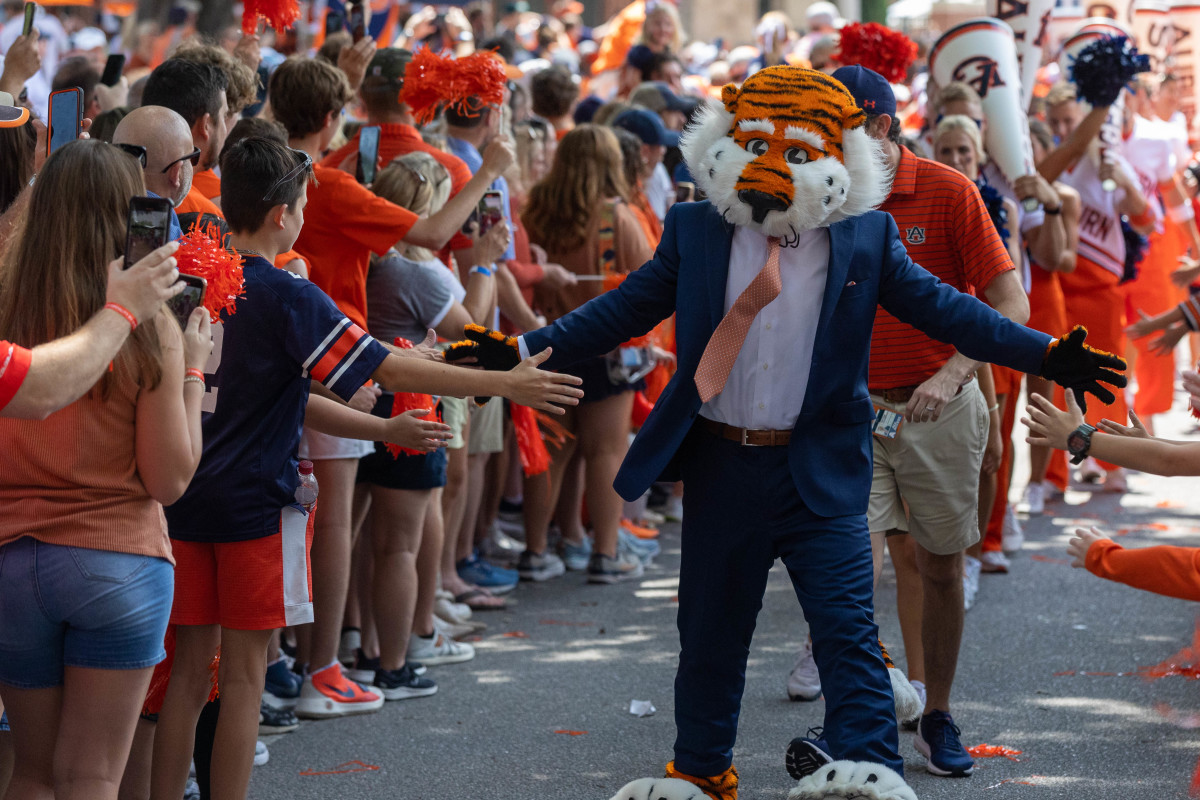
(241, 542)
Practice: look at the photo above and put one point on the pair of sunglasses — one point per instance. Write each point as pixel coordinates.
(139, 152)
(301, 168)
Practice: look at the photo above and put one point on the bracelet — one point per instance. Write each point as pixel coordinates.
(193, 379)
(124, 312)
(194, 372)
(486, 271)
(993, 409)
(1052, 212)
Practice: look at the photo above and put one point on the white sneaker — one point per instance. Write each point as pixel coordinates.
(350, 642)
(971, 569)
(1089, 472)
(438, 649)
(457, 630)
(1034, 501)
(261, 754)
(1115, 482)
(1012, 535)
(804, 681)
(673, 510)
(994, 561)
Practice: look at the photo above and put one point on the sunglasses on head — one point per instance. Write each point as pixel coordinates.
(302, 167)
(940, 117)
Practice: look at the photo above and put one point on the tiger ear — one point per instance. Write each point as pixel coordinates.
(853, 117)
(729, 96)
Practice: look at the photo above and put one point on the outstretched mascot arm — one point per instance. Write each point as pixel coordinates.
(913, 295)
(644, 299)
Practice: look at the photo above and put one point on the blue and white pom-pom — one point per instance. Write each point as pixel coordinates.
(1104, 67)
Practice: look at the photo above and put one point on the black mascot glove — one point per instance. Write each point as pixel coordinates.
(491, 350)
(1079, 367)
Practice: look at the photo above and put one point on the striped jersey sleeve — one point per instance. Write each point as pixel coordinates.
(1191, 312)
(330, 348)
(14, 366)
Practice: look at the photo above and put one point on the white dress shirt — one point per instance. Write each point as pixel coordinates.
(766, 386)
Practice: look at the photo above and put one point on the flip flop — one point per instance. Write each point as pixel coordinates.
(479, 600)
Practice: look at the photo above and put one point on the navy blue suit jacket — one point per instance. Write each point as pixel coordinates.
(830, 449)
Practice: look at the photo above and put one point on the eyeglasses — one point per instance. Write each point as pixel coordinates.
(135, 150)
(193, 157)
(303, 167)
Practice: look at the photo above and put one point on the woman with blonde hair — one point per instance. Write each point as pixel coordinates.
(662, 31)
(579, 214)
(86, 571)
(410, 291)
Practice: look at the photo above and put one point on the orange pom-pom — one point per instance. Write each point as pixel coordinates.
(279, 14)
(535, 458)
(408, 401)
(431, 80)
(878, 48)
(203, 254)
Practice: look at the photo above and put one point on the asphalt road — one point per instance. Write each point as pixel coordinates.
(543, 710)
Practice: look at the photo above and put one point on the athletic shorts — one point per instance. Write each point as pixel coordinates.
(933, 467)
(78, 607)
(487, 427)
(315, 446)
(454, 414)
(403, 471)
(255, 585)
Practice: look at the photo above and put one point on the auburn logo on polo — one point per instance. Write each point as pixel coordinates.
(980, 73)
(915, 235)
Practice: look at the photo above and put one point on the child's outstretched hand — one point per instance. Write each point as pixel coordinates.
(1050, 426)
(1078, 547)
(1135, 431)
(411, 431)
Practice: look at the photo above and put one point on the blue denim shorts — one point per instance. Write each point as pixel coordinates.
(77, 607)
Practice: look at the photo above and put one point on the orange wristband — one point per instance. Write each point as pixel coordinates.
(124, 312)
(193, 371)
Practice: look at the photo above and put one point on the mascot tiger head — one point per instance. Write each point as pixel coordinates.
(785, 153)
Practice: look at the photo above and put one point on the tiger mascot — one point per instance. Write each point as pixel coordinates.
(792, 141)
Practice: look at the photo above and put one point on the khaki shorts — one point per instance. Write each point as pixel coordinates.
(487, 428)
(454, 414)
(933, 467)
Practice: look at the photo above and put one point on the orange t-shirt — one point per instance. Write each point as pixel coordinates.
(946, 229)
(1167, 570)
(207, 183)
(397, 139)
(197, 202)
(344, 223)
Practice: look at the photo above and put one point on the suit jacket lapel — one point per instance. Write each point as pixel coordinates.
(717, 245)
(841, 249)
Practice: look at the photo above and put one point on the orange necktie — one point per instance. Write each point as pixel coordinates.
(726, 342)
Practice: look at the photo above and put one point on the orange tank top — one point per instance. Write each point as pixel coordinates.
(72, 479)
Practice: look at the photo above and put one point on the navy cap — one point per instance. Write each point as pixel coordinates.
(647, 126)
(871, 90)
(657, 96)
(586, 108)
(639, 57)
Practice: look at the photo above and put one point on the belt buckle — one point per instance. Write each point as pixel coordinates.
(745, 440)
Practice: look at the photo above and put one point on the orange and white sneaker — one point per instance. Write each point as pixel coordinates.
(329, 693)
(640, 531)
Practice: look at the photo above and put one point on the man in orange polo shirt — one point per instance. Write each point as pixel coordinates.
(926, 479)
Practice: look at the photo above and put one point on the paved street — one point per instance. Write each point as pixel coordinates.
(543, 711)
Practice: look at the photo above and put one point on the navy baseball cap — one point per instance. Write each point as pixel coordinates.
(647, 126)
(871, 90)
(657, 96)
(639, 57)
(586, 108)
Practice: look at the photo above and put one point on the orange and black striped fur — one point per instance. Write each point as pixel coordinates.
(786, 152)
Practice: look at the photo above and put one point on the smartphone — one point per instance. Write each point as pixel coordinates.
(192, 297)
(148, 229)
(113, 67)
(334, 22)
(368, 154)
(30, 12)
(356, 21)
(490, 210)
(66, 118)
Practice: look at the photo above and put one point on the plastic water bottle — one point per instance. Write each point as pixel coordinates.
(306, 492)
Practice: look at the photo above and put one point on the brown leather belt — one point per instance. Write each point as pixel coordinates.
(902, 394)
(746, 436)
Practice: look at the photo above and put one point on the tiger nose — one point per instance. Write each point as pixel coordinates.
(760, 203)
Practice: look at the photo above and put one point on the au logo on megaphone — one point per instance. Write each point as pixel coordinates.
(981, 73)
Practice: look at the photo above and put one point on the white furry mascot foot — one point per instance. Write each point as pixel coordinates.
(660, 789)
(852, 780)
(908, 703)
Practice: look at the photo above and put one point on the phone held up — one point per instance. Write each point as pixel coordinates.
(149, 228)
(30, 11)
(356, 21)
(66, 118)
(487, 214)
(368, 154)
(113, 68)
(192, 297)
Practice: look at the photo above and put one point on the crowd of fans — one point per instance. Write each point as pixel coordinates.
(257, 137)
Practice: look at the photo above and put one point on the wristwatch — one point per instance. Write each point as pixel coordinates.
(1079, 442)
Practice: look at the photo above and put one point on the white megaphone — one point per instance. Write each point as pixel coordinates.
(982, 54)
(1029, 21)
(1090, 31)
